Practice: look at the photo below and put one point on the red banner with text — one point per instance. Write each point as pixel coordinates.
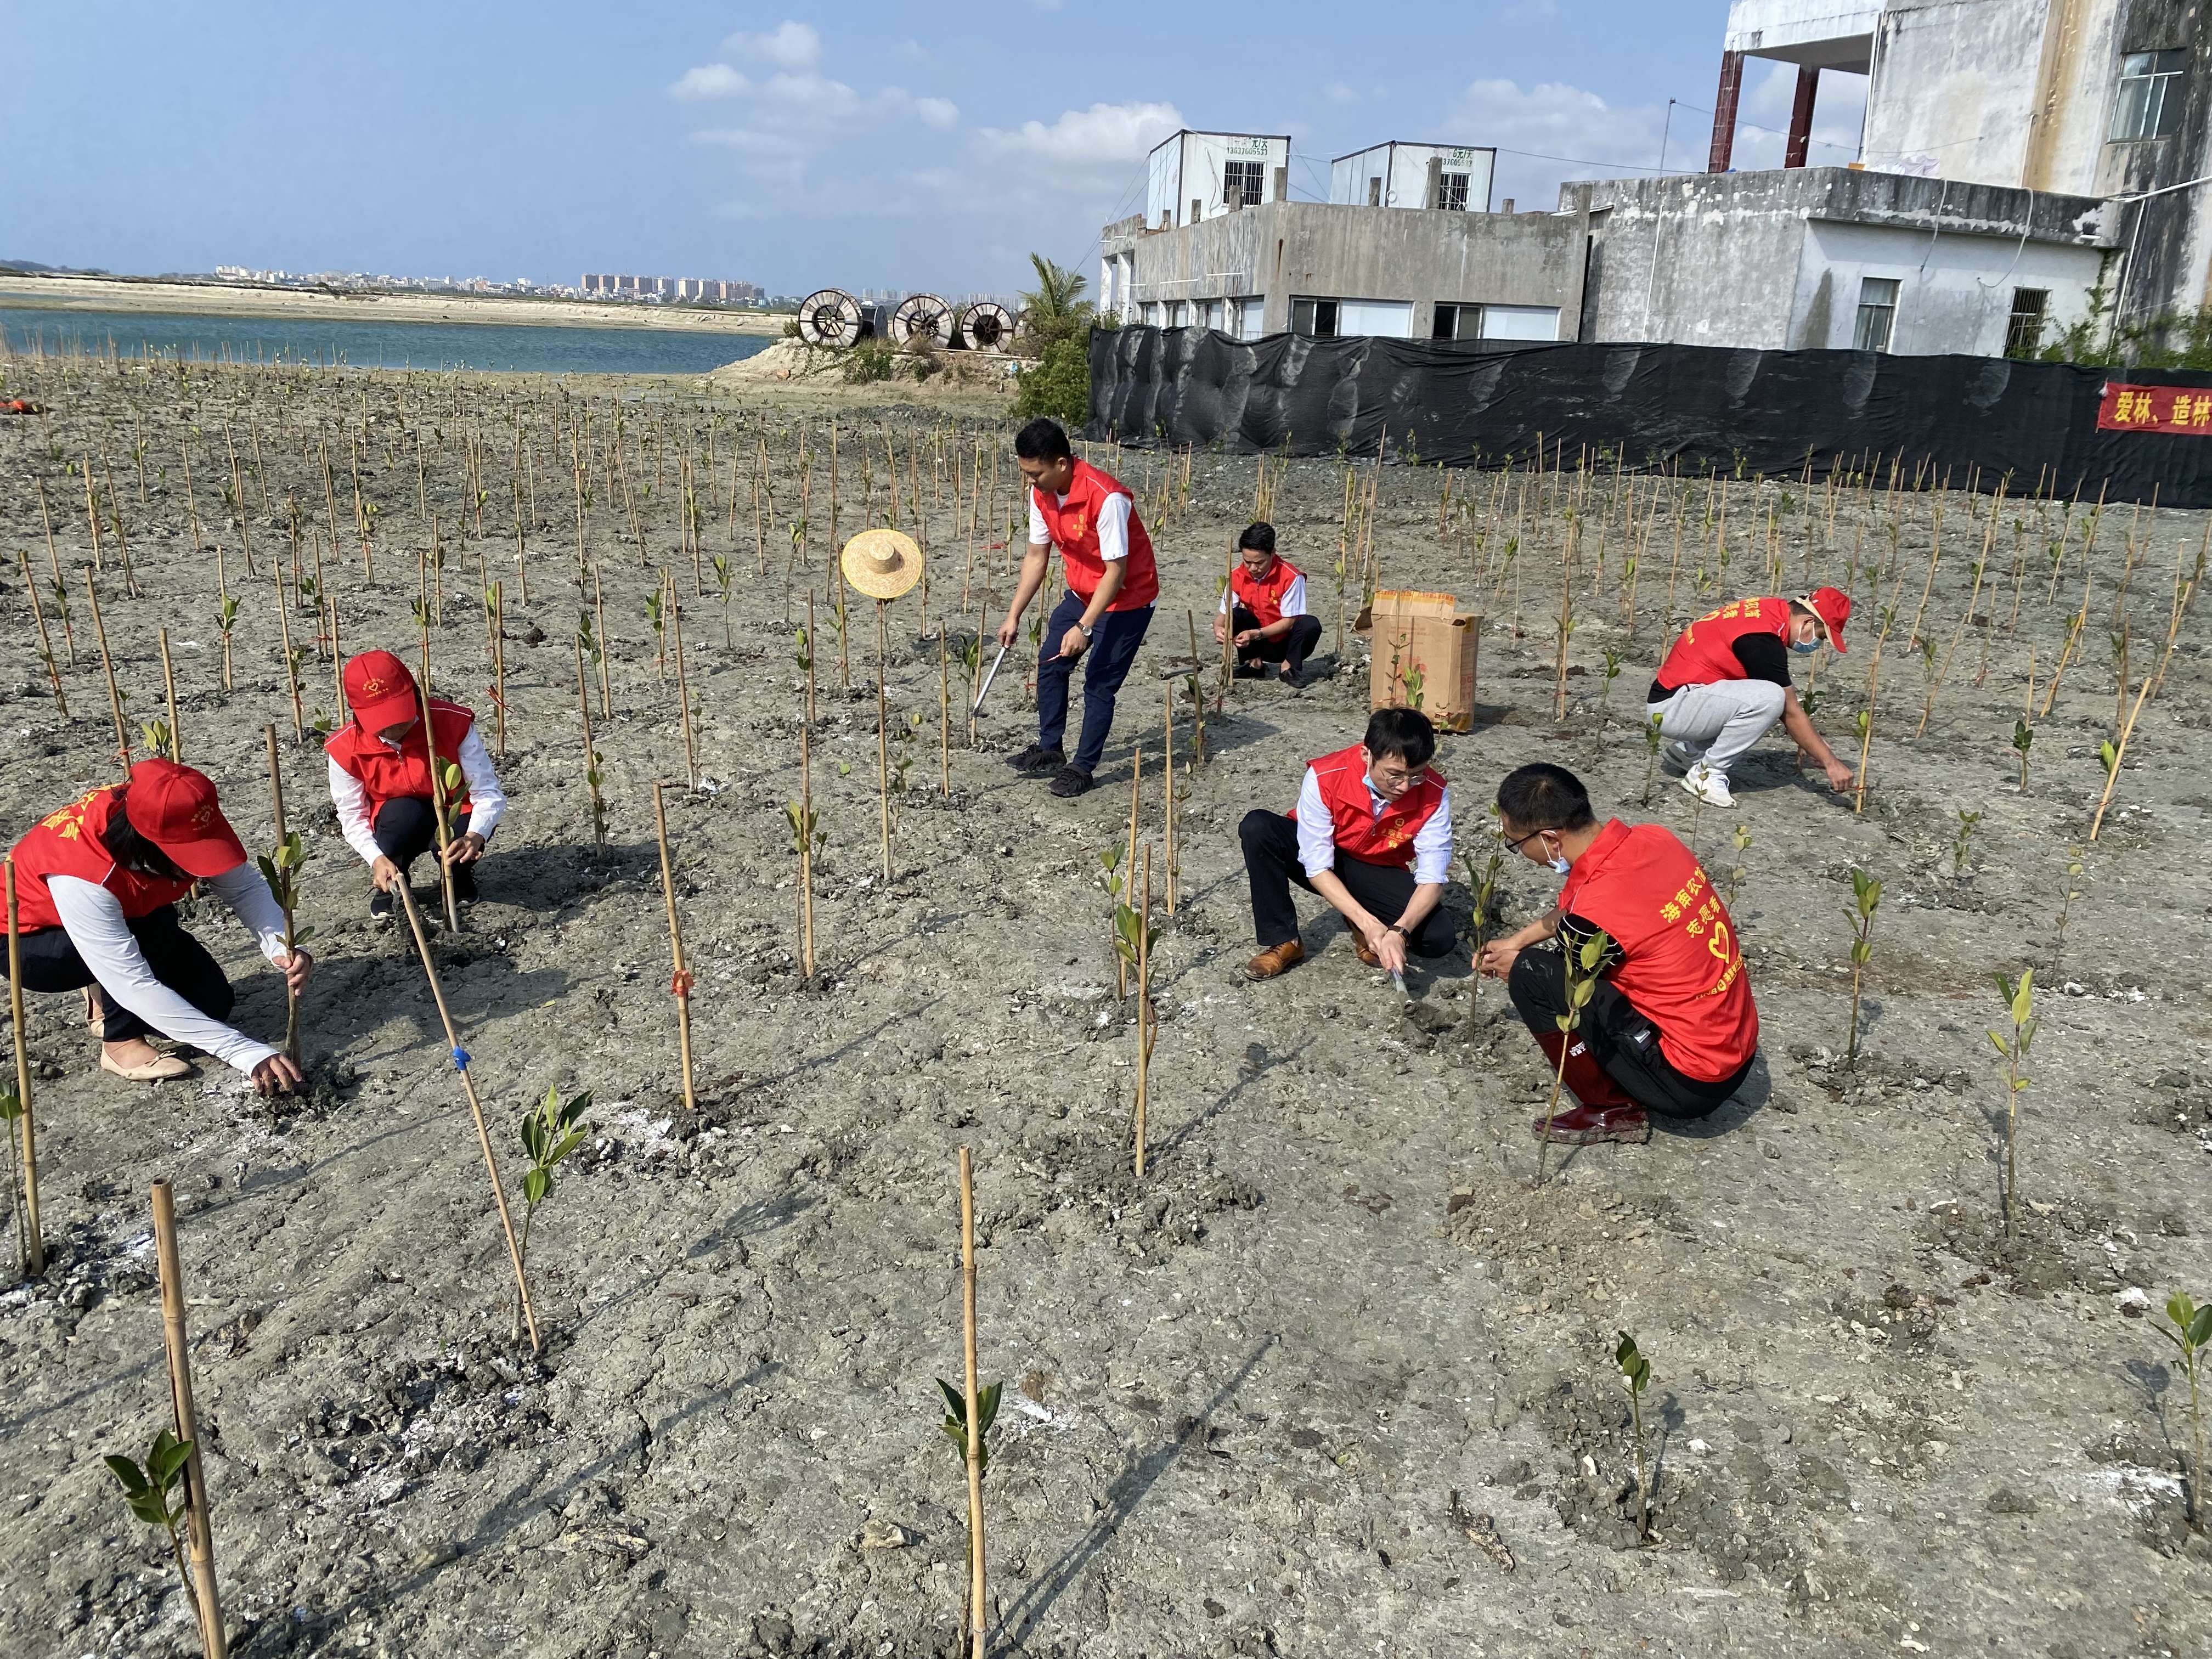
(2155, 408)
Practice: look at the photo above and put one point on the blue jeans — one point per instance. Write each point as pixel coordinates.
(1113, 643)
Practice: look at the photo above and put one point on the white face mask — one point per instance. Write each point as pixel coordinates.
(1560, 867)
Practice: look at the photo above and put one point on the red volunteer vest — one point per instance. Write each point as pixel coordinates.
(1703, 656)
(386, 774)
(1358, 833)
(70, 843)
(1073, 528)
(1264, 599)
(1680, 966)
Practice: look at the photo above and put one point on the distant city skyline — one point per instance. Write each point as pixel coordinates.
(804, 149)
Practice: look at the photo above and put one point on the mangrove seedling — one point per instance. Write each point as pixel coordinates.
(655, 615)
(2012, 1044)
(1652, 739)
(280, 868)
(1866, 896)
(954, 1425)
(1584, 959)
(159, 738)
(2023, 738)
(1636, 1370)
(226, 614)
(2066, 903)
(156, 1492)
(1962, 843)
(1612, 672)
(2190, 1335)
(1741, 841)
(722, 578)
(1483, 882)
(551, 1129)
(11, 1113)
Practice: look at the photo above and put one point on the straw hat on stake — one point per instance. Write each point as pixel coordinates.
(882, 564)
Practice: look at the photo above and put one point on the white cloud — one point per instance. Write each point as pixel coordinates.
(1104, 136)
(812, 97)
(1337, 92)
(940, 112)
(789, 45)
(710, 81)
(748, 141)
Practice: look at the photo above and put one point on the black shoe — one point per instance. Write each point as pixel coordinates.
(1070, 781)
(1288, 675)
(1249, 670)
(382, 906)
(1036, 760)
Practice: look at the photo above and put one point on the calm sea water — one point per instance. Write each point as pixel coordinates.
(525, 348)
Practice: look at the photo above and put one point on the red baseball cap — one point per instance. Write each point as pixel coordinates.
(1830, 605)
(174, 807)
(381, 691)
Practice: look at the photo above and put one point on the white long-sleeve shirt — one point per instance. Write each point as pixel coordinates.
(1433, 841)
(487, 802)
(1112, 526)
(94, 919)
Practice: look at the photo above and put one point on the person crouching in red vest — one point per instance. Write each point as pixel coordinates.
(1725, 681)
(381, 779)
(97, 884)
(1372, 834)
(1671, 1028)
(1264, 605)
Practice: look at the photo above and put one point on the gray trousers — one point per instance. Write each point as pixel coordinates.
(1722, 719)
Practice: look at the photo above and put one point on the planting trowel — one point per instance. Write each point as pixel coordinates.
(976, 712)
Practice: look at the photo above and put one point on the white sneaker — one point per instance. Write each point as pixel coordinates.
(1678, 754)
(1708, 785)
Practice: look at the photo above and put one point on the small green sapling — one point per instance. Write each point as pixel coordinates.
(2190, 1335)
(2012, 1044)
(1962, 843)
(1636, 1371)
(1582, 961)
(551, 1130)
(1866, 897)
(157, 1495)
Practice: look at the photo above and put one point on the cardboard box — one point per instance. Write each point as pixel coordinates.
(1425, 657)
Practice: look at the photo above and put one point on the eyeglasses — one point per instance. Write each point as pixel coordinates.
(1518, 842)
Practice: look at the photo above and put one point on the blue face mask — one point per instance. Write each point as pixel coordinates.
(1806, 648)
(1560, 866)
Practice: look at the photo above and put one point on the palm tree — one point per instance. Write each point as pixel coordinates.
(1055, 308)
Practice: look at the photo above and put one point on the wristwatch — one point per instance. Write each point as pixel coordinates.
(1399, 929)
(1083, 630)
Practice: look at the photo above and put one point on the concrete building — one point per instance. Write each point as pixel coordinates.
(1837, 257)
(1194, 176)
(1328, 268)
(1449, 178)
(2077, 98)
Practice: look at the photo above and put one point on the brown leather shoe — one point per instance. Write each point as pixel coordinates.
(1588, 1125)
(1275, 959)
(1360, 948)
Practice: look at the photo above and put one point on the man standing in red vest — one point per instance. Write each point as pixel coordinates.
(1372, 834)
(1111, 585)
(1265, 604)
(97, 886)
(380, 778)
(1671, 1028)
(1726, 680)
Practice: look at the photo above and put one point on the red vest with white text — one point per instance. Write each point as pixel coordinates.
(1263, 597)
(1704, 655)
(1073, 528)
(70, 843)
(388, 773)
(1358, 833)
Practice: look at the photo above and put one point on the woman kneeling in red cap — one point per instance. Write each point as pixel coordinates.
(97, 886)
(380, 778)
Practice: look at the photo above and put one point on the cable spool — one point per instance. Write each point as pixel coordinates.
(921, 320)
(984, 325)
(831, 317)
(1021, 331)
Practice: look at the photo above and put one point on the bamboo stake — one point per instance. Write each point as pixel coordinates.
(169, 690)
(1144, 1003)
(600, 610)
(976, 1607)
(197, 1520)
(2127, 730)
(34, 1249)
(805, 851)
(276, 808)
(1168, 797)
(460, 1057)
(591, 755)
(683, 691)
(107, 662)
(883, 735)
(680, 980)
(69, 633)
(46, 640)
(1129, 864)
(437, 803)
(944, 715)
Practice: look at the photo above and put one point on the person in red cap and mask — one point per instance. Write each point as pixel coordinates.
(380, 778)
(1670, 1026)
(97, 886)
(1727, 681)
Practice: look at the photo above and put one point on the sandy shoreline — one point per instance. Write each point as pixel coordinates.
(230, 300)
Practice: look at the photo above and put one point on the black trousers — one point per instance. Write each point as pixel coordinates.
(51, 963)
(1618, 1038)
(1271, 862)
(1291, 650)
(407, 827)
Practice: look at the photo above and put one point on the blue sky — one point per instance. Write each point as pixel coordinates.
(867, 146)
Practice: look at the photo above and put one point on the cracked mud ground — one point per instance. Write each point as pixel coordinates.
(1319, 1377)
